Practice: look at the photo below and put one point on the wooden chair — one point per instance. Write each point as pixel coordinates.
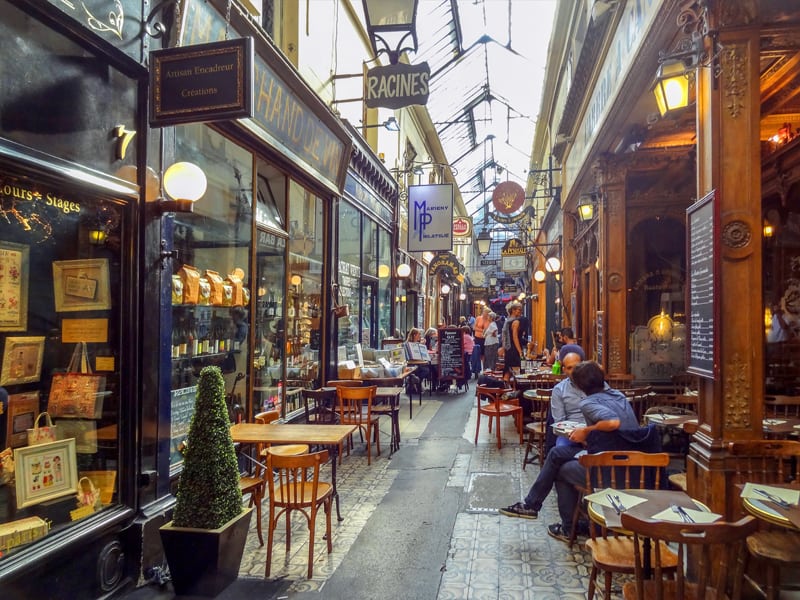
(769, 461)
(640, 398)
(355, 408)
(537, 429)
(612, 552)
(683, 382)
(296, 487)
(782, 406)
(496, 408)
(719, 560)
(324, 412)
(285, 449)
(255, 484)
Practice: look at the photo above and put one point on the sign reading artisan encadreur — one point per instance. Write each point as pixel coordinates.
(203, 82)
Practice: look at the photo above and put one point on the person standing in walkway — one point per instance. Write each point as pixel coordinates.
(468, 348)
(479, 332)
(490, 344)
(603, 409)
(513, 347)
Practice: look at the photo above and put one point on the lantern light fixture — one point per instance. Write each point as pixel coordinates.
(445, 289)
(403, 270)
(391, 26)
(484, 240)
(586, 204)
(539, 276)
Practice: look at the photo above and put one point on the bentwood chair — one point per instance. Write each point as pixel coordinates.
(295, 486)
(767, 462)
(495, 407)
(286, 449)
(537, 429)
(355, 408)
(782, 406)
(718, 562)
(611, 551)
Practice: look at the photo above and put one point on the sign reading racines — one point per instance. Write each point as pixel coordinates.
(396, 86)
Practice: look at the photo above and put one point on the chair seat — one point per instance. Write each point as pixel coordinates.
(678, 481)
(501, 408)
(536, 427)
(248, 483)
(781, 546)
(286, 450)
(323, 489)
(616, 553)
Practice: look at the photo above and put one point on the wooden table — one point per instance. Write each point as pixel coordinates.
(771, 512)
(780, 427)
(320, 435)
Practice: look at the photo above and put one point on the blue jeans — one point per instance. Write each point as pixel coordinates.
(556, 459)
(570, 475)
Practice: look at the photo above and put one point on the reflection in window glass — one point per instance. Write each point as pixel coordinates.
(349, 277)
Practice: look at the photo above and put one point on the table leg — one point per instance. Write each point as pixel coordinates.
(334, 451)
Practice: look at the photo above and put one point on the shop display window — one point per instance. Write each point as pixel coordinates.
(63, 297)
(211, 281)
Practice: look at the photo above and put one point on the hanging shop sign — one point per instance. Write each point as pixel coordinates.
(445, 262)
(508, 197)
(528, 211)
(205, 82)
(397, 86)
(462, 231)
(514, 256)
(430, 217)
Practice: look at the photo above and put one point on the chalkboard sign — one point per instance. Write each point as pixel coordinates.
(702, 311)
(182, 409)
(451, 354)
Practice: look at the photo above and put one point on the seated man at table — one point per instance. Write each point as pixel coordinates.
(603, 409)
(565, 403)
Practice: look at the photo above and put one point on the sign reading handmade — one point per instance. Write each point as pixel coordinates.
(430, 217)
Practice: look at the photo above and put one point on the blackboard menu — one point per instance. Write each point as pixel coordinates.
(451, 353)
(701, 308)
(182, 409)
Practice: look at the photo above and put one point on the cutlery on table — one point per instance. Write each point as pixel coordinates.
(619, 503)
(679, 510)
(617, 508)
(773, 498)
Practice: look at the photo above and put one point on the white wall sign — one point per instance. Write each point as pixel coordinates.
(430, 217)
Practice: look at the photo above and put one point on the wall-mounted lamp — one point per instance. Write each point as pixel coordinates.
(389, 124)
(185, 183)
(462, 296)
(539, 276)
(296, 279)
(403, 298)
(390, 25)
(769, 230)
(660, 327)
(676, 71)
(586, 207)
(97, 236)
(403, 270)
(383, 271)
(484, 240)
(552, 265)
(492, 281)
(445, 289)
(521, 296)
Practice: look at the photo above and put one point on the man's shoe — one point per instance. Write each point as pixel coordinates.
(519, 510)
(557, 531)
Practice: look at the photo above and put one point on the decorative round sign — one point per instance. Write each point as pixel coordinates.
(508, 197)
(462, 227)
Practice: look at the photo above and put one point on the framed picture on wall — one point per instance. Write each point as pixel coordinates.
(81, 285)
(45, 472)
(22, 360)
(14, 267)
(22, 410)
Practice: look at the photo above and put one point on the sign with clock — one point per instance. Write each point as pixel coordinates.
(514, 257)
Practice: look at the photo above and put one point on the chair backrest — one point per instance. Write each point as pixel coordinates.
(385, 381)
(685, 401)
(619, 381)
(625, 469)
(269, 416)
(544, 381)
(292, 476)
(640, 398)
(719, 560)
(492, 394)
(765, 461)
(782, 406)
(352, 401)
(345, 383)
(540, 408)
(681, 382)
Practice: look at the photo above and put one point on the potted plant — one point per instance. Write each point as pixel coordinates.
(204, 541)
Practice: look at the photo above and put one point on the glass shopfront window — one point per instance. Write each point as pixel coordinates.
(211, 278)
(348, 275)
(63, 302)
(384, 310)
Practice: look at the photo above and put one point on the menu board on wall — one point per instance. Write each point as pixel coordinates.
(702, 311)
(451, 353)
(182, 409)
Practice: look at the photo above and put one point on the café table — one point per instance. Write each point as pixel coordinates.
(330, 436)
(762, 508)
(651, 504)
(781, 427)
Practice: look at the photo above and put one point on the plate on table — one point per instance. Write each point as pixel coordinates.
(566, 427)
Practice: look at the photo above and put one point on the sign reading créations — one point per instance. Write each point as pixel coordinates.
(396, 86)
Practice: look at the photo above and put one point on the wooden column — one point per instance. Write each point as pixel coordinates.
(728, 112)
(613, 267)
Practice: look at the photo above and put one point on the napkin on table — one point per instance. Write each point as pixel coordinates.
(698, 516)
(627, 500)
(792, 496)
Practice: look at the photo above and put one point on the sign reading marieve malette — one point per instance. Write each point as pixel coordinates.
(396, 86)
(203, 82)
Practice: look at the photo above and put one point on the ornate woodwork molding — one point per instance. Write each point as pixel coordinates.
(614, 355)
(734, 78)
(737, 393)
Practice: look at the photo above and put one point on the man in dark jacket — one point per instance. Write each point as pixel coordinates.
(604, 410)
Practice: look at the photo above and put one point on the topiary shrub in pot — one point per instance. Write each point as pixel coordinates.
(208, 511)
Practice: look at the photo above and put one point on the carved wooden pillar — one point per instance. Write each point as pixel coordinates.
(728, 111)
(613, 265)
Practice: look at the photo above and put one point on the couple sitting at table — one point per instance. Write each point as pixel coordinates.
(611, 424)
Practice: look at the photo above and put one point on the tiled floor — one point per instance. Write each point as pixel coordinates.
(490, 556)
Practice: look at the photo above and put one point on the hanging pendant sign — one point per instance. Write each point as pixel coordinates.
(202, 82)
(397, 86)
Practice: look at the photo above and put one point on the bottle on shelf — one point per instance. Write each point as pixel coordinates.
(193, 342)
(183, 347)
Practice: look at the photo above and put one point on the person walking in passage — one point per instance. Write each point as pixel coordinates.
(491, 343)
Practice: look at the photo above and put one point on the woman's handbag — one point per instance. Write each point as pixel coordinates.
(340, 310)
(78, 393)
(42, 434)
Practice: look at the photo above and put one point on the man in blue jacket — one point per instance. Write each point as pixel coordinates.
(604, 410)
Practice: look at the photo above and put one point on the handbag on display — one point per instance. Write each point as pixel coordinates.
(78, 393)
(340, 310)
(42, 434)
